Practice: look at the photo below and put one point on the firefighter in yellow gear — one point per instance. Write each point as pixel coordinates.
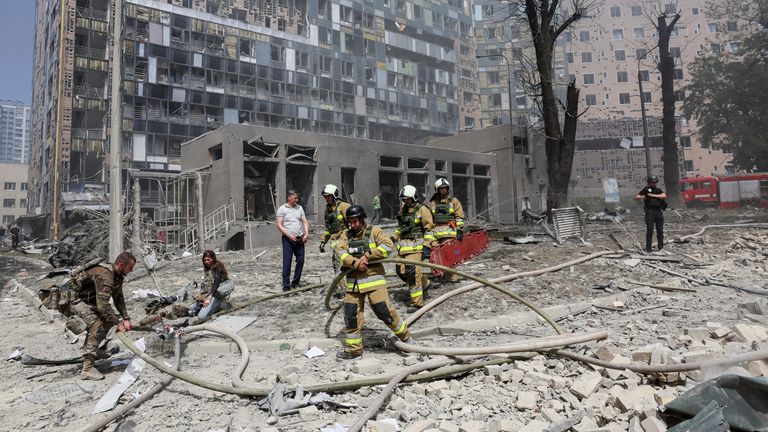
(357, 246)
(335, 220)
(414, 238)
(448, 216)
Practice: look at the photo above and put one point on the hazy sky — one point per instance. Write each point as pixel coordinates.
(17, 43)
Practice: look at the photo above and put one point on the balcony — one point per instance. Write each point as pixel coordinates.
(93, 14)
(91, 52)
(90, 92)
(95, 134)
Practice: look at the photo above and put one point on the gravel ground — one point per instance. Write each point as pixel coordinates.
(528, 394)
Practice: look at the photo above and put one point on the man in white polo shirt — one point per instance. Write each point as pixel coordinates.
(292, 223)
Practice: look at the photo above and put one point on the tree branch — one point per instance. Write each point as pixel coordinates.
(577, 15)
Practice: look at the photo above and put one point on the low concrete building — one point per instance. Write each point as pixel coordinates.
(252, 168)
(530, 168)
(13, 193)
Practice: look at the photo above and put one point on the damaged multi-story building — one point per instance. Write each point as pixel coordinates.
(388, 70)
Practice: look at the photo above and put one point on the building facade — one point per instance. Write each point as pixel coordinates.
(504, 54)
(251, 168)
(15, 132)
(606, 55)
(384, 69)
(13, 191)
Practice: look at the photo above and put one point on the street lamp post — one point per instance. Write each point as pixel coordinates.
(511, 133)
(646, 143)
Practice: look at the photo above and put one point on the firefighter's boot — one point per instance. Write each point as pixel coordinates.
(345, 355)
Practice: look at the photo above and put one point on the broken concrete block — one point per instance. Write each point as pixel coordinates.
(308, 413)
(419, 389)
(586, 384)
(749, 333)
(753, 307)
(437, 387)
(551, 415)
(643, 355)
(586, 424)
(446, 426)
(534, 426)
(384, 425)
(605, 353)
(410, 360)
(493, 370)
(697, 332)
(694, 356)
(504, 425)
(665, 396)
(652, 424)
(526, 400)
(758, 368)
(660, 356)
(631, 262)
(615, 374)
(720, 332)
(636, 399)
(472, 426)
(420, 426)
(618, 304)
(366, 366)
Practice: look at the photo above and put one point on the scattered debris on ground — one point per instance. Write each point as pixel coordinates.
(674, 321)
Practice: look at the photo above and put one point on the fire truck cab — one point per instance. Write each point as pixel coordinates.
(731, 191)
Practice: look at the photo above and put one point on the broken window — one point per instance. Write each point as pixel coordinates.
(460, 168)
(440, 165)
(391, 161)
(482, 170)
(297, 153)
(417, 164)
(216, 152)
(348, 184)
(256, 147)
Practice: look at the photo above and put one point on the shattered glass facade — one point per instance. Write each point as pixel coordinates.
(389, 70)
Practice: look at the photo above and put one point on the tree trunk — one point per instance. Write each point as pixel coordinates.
(671, 156)
(560, 166)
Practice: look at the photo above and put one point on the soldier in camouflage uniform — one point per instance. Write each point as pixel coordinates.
(92, 290)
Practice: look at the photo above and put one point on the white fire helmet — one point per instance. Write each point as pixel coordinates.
(408, 191)
(441, 182)
(331, 190)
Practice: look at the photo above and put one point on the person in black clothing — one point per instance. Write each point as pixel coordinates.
(653, 202)
(15, 236)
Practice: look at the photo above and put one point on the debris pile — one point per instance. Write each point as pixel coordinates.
(675, 325)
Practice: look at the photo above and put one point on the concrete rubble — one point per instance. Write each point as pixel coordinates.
(534, 392)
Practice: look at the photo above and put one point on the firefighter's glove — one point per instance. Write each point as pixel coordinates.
(426, 252)
(322, 246)
(459, 235)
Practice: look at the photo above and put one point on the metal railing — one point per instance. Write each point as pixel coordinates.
(217, 222)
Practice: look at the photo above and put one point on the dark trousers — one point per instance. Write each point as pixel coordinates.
(15, 241)
(654, 217)
(289, 250)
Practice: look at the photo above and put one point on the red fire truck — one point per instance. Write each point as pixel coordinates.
(732, 191)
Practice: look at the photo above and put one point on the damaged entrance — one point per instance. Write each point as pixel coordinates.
(260, 171)
(300, 174)
(389, 184)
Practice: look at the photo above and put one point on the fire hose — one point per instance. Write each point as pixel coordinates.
(544, 345)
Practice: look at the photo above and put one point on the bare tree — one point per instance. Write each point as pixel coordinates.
(547, 20)
(670, 158)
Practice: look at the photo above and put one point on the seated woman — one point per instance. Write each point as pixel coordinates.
(215, 273)
(204, 304)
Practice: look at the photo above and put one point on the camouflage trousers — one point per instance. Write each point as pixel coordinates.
(96, 329)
